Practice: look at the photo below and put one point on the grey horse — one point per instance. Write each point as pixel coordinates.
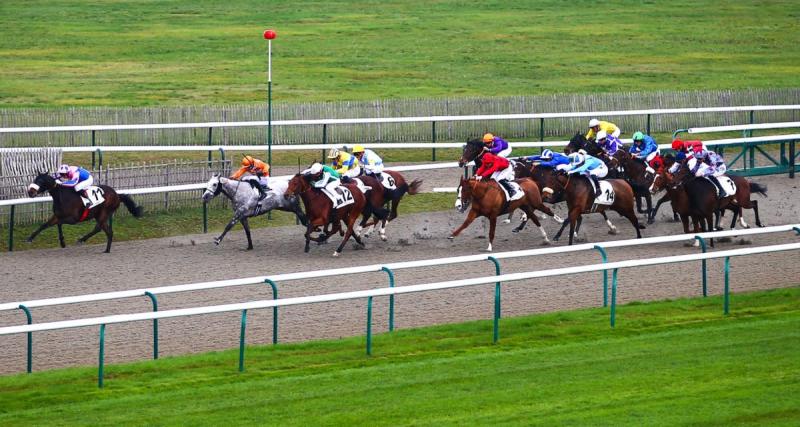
(246, 204)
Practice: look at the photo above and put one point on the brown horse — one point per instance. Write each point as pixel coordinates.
(635, 172)
(677, 196)
(487, 199)
(68, 209)
(385, 195)
(319, 209)
(579, 195)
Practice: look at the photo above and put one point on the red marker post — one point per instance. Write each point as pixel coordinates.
(269, 35)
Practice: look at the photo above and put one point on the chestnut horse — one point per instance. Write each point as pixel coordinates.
(579, 195)
(319, 209)
(68, 209)
(488, 200)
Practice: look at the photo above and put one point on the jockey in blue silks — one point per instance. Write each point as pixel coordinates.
(590, 167)
(551, 160)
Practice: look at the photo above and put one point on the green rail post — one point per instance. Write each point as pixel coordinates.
(752, 120)
(155, 323)
(791, 159)
(30, 337)
(241, 341)
(727, 269)
(94, 144)
(541, 129)
(433, 138)
(222, 154)
(205, 217)
(648, 124)
(101, 356)
(11, 229)
(496, 322)
(324, 141)
(613, 297)
(605, 274)
(703, 263)
(391, 297)
(210, 129)
(678, 131)
(369, 326)
(274, 287)
(99, 158)
(796, 230)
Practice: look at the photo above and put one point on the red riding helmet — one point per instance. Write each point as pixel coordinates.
(677, 144)
(697, 146)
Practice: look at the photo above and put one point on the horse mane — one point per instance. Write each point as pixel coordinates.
(476, 142)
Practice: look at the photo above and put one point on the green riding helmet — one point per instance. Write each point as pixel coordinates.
(638, 136)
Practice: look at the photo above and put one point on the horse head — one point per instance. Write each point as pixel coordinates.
(297, 185)
(472, 151)
(213, 188)
(552, 182)
(577, 142)
(43, 182)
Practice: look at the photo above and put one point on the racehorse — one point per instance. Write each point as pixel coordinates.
(381, 195)
(245, 203)
(676, 194)
(635, 172)
(68, 208)
(319, 209)
(579, 142)
(487, 200)
(579, 195)
(473, 151)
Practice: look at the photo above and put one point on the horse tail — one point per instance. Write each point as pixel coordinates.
(413, 188)
(135, 210)
(758, 188)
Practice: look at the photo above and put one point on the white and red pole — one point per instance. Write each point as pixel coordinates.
(269, 35)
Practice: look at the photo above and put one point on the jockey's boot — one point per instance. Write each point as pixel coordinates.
(346, 180)
(85, 198)
(508, 187)
(261, 192)
(596, 185)
(722, 193)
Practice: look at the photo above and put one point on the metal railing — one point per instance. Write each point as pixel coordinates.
(389, 269)
(392, 291)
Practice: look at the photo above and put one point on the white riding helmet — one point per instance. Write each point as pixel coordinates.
(547, 153)
(602, 135)
(63, 169)
(593, 123)
(576, 158)
(333, 153)
(314, 169)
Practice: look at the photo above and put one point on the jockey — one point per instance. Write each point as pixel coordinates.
(710, 165)
(322, 177)
(370, 162)
(683, 153)
(499, 169)
(645, 149)
(595, 126)
(344, 163)
(609, 143)
(76, 177)
(590, 167)
(549, 159)
(496, 145)
(259, 174)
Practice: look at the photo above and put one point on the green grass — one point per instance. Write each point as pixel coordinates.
(187, 221)
(181, 52)
(666, 363)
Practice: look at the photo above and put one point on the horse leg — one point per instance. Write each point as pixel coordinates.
(508, 220)
(649, 202)
(49, 223)
(652, 217)
(573, 219)
(298, 211)
(611, 228)
(231, 223)
(105, 224)
(741, 217)
(61, 236)
(350, 223)
(717, 216)
(639, 204)
(755, 211)
(492, 227)
(631, 215)
(246, 226)
(561, 230)
(89, 234)
(470, 217)
(578, 226)
(529, 213)
(309, 230)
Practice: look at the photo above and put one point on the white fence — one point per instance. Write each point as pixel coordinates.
(391, 291)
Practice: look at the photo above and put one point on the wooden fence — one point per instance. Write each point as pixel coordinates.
(392, 132)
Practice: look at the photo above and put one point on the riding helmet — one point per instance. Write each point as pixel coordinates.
(487, 138)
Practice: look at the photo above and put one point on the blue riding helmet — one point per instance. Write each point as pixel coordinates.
(547, 153)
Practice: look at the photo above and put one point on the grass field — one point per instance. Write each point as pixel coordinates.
(112, 52)
(180, 222)
(666, 363)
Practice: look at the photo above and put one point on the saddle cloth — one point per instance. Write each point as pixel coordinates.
(388, 182)
(726, 183)
(518, 191)
(342, 198)
(606, 196)
(361, 186)
(95, 197)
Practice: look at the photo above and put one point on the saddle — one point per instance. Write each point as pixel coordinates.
(342, 198)
(94, 197)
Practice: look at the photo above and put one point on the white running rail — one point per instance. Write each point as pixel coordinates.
(757, 126)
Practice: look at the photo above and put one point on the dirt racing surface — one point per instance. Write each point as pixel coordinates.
(194, 258)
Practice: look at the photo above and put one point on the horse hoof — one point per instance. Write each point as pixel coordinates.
(77, 242)
(506, 221)
(335, 254)
(384, 238)
(515, 230)
(613, 231)
(651, 221)
(546, 242)
(451, 237)
(217, 241)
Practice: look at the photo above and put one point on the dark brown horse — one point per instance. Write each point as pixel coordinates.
(579, 195)
(487, 199)
(635, 172)
(385, 195)
(319, 211)
(677, 196)
(68, 209)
